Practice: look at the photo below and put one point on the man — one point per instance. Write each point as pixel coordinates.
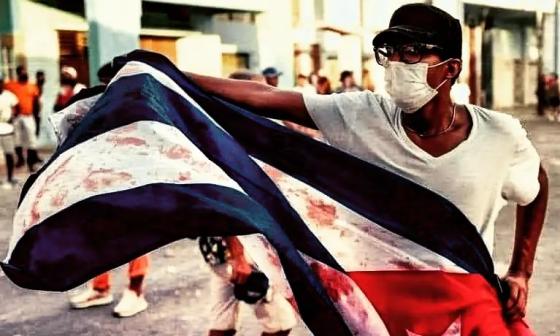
(8, 103)
(473, 157)
(271, 75)
(25, 126)
(347, 82)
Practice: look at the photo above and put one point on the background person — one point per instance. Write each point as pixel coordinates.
(347, 82)
(271, 75)
(25, 126)
(69, 87)
(324, 86)
(8, 103)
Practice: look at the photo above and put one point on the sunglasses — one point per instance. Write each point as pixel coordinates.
(411, 53)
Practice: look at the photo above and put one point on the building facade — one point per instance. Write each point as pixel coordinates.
(506, 43)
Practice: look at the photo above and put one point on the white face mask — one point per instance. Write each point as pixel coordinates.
(408, 84)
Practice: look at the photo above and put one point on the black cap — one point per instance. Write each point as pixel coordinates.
(271, 72)
(253, 289)
(424, 24)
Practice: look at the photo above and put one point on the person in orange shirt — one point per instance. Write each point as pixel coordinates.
(24, 123)
(98, 293)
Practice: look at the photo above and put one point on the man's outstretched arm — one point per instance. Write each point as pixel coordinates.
(262, 99)
(529, 224)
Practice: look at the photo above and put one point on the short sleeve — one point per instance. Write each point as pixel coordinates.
(521, 184)
(326, 114)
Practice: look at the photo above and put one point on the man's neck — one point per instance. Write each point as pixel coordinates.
(433, 117)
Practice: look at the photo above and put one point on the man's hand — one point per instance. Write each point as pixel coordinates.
(241, 269)
(516, 304)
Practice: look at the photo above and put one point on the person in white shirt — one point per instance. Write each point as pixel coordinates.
(476, 158)
(8, 103)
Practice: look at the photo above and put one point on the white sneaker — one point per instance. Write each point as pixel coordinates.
(130, 304)
(90, 298)
(7, 186)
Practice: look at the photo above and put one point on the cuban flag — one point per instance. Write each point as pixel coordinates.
(151, 159)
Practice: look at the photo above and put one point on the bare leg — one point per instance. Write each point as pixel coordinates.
(136, 284)
(10, 166)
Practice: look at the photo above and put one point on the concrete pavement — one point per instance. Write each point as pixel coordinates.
(177, 286)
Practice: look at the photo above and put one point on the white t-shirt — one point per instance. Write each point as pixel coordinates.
(7, 101)
(495, 164)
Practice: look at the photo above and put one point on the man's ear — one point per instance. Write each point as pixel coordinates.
(454, 68)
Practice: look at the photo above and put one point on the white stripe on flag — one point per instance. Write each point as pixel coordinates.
(131, 156)
(65, 120)
(367, 246)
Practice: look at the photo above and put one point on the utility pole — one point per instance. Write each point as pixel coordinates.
(540, 42)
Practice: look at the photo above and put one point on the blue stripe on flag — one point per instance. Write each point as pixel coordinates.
(106, 231)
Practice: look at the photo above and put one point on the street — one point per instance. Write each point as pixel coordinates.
(177, 286)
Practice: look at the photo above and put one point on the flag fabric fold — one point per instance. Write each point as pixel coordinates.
(153, 159)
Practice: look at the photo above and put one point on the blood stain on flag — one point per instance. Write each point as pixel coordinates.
(58, 199)
(184, 176)
(403, 264)
(274, 174)
(126, 141)
(322, 213)
(103, 178)
(335, 283)
(126, 129)
(177, 152)
(35, 213)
